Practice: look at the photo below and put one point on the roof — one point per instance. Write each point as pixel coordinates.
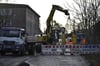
(9, 5)
(12, 28)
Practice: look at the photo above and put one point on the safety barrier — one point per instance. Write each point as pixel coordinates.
(51, 49)
(90, 49)
(75, 49)
(86, 49)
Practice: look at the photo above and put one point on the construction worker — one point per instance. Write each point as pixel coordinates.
(70, 42)
(63, 39)
(74, 38)
(83, 41)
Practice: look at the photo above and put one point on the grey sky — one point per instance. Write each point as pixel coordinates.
(43, 7)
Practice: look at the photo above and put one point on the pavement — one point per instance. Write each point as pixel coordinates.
(44, 60)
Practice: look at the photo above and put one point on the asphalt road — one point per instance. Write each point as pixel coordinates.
(43, 60)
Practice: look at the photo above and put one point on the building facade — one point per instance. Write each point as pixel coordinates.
(19, 15)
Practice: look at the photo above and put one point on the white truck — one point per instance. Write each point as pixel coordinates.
(15, 40)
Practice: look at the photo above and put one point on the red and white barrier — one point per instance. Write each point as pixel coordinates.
(75, 50)
(51, 49)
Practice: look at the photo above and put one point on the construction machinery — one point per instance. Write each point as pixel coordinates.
(24, 41)
(50, 32)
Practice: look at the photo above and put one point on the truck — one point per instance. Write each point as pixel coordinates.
(16, 40)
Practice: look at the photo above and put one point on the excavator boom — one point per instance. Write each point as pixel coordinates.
(50, 18)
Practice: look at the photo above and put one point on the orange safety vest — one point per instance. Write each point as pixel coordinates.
(84, 41)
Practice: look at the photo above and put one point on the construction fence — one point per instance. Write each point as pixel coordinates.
(74, 50)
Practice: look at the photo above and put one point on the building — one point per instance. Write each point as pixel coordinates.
(19, 15)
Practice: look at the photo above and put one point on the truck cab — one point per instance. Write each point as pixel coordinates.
(12, 40)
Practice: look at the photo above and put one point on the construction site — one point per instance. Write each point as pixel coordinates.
(22, 43)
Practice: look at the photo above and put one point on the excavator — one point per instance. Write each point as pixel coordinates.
(48, 38)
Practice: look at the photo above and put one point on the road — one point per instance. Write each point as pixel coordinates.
(43, 60)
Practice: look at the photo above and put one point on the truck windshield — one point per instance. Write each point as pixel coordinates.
(9, 33)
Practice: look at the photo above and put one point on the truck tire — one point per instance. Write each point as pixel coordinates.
(26, 52)
(18, 53)
(2, 53)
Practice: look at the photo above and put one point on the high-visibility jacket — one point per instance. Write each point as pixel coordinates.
(83, 41)
(74, 38)
(63, 39)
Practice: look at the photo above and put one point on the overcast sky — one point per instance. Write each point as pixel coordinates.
(43, 7)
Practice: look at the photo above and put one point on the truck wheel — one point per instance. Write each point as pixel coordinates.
(2, 53)
(18, 53)
(21, 53)
(29, 52)
(26, 52)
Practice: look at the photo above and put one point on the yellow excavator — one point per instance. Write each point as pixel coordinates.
(48, 36)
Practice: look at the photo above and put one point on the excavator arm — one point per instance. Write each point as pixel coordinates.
(50, 18)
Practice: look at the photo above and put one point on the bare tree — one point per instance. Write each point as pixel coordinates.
(87, 12)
